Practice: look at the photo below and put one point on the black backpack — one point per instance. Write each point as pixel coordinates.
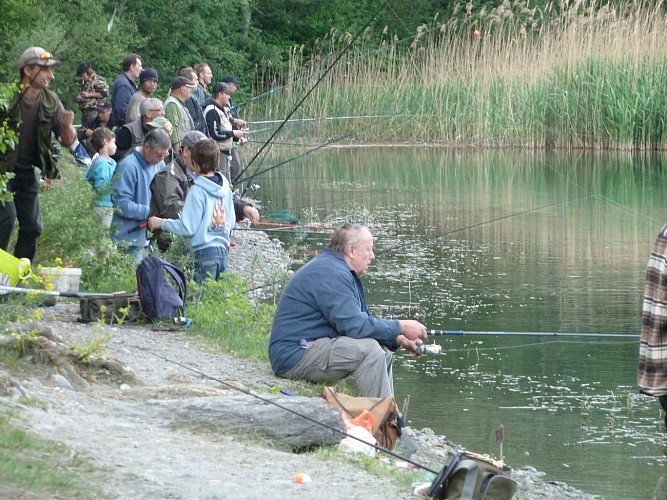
(159, 300)
(469, 476)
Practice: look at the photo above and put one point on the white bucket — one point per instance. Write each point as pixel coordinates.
(63, 279)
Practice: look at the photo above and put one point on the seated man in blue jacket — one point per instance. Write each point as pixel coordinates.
(323, 331)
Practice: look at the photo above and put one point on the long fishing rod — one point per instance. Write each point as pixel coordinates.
(283, 407)
(283, 230)
(264, 94)
(258, 172)
(247, 180)
(297, 121)
(534, 334)
(483, 223)
(383, 47)
(317, 82)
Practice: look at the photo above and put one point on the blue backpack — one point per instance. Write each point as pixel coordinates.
(159, 300)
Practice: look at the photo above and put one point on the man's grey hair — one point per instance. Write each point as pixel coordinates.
(345, 236)
(157, 138)
(148, 104)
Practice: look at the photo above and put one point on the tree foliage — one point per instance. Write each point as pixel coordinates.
(246, 38)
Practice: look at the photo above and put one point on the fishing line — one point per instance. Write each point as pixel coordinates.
(282, 407)
(317, 82)
(479, 224)
(600, 196)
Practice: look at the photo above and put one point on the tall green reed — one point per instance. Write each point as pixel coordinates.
(574, 75)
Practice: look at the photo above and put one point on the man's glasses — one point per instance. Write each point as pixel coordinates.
(159, 154)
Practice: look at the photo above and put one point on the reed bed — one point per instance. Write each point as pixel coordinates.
(574, 75)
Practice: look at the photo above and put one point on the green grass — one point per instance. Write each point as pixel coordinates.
(222, 313)
(36, 466)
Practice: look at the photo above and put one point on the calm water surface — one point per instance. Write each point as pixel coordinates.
(507, 242)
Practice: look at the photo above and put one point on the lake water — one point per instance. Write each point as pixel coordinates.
(506, 242)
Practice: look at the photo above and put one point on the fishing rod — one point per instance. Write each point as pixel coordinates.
(329, 118)
(285, 408)
(297, 144)
(283, 230)
(53, 293)
(383, 47)
(317, 82)
(295, 226)
(534, 334)
(483, 223)
(247, 180)
(268, 92)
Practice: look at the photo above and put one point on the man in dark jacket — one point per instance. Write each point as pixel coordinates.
(170, 187)
(124, 88)
(239, 124)
(322, 329)
(36, 112)
(220, 127)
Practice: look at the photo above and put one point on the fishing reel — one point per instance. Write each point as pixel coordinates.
(429, 349)
(243, 140)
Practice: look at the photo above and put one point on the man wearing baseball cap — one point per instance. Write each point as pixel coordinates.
(219, 122)
(238, 123)
(175, 110)
(85, 132)
(35, 112)
(170, 187)
(92, 88)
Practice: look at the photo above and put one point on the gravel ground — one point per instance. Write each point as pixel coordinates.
(142, 457)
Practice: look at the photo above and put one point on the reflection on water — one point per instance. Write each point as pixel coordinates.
(510, 242)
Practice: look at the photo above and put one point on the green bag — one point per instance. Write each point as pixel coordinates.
(118, 308)
(468, 476)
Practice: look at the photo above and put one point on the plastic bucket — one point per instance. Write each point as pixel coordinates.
(61, 279)
(12, 270)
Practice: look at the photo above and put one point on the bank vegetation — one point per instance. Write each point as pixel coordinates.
(570, 75)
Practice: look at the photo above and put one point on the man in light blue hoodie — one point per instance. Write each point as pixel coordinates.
(208, 214)
(131, 195)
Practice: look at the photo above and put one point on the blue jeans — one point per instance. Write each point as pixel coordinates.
(210, 263)
(137, 252)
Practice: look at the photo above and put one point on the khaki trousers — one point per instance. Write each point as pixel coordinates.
(330, 359)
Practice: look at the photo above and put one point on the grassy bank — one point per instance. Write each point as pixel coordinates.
(44, 468)
(572, 76)
(222, 311)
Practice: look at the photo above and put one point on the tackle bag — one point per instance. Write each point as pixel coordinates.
(469, 476)
(159, 299)
(386, 429)
(118, 308)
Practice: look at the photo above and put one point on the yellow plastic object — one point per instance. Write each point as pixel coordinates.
(12, 269)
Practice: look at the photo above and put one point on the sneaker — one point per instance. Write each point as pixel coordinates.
(81, 155)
